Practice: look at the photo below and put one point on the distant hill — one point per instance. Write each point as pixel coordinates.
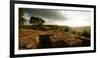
(80, 29)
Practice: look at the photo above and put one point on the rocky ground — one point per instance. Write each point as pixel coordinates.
(35, 39)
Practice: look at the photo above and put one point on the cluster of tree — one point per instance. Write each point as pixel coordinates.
(37, 21)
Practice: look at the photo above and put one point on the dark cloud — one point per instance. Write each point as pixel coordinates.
(59, 17)
(45, 13)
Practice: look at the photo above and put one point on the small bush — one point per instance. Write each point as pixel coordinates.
(86, 33)
(67, 29)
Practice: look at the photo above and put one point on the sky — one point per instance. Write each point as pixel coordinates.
(62, 17)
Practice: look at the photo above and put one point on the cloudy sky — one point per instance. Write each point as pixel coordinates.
(72, 18)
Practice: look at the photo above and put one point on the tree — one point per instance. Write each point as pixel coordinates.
(86, 33)
(36, 22)
(21, 19)
(67, 29)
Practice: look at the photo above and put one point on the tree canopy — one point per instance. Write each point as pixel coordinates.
(36, 21)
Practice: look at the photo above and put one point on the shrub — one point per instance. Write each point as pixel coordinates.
(86, 33)
(67, 29)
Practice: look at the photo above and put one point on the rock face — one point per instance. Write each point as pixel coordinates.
(85, 41)
(48, 41)
(45, 41)
(69, 40)
(60, 43)
(28, 43)
(27, 40)
(74, 42)
(40, 40)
